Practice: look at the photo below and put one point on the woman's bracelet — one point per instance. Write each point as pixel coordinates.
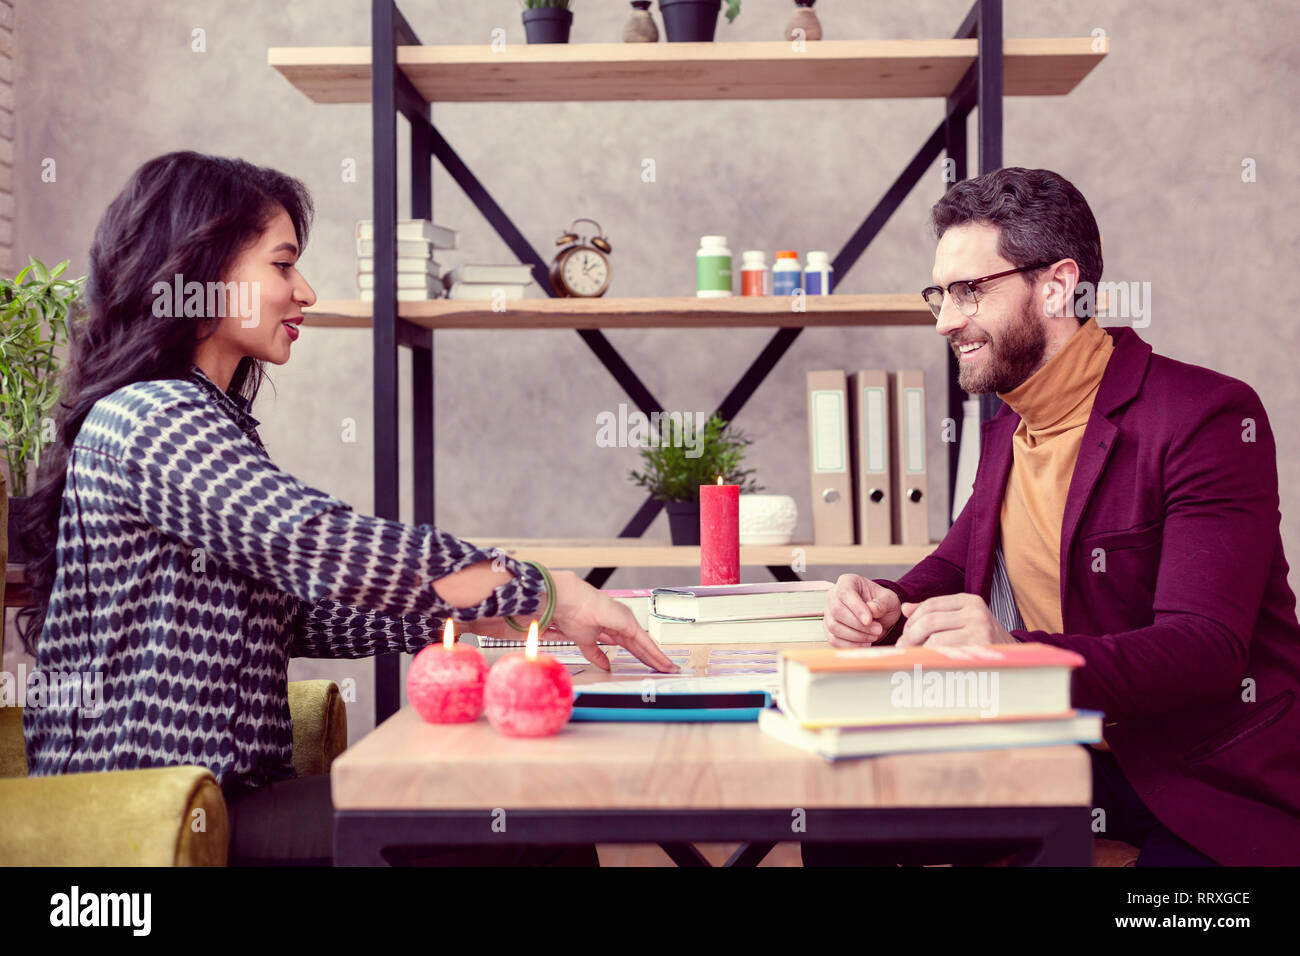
(549, 613)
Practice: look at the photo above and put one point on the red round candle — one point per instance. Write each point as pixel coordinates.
(445, 682)
(719, 534)
(528, 694)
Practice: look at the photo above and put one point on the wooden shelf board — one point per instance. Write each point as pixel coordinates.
(631, 553)
(643, 553)
(768, 70)
(665, 312)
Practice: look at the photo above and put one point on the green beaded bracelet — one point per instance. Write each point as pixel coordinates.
(545, 621)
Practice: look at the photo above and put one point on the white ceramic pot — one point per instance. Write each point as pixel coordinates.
(767, 519)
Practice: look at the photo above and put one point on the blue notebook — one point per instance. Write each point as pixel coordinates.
(669, 706)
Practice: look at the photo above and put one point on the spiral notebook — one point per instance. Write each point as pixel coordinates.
(482, 641)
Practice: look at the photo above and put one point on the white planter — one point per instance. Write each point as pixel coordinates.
(767, 519)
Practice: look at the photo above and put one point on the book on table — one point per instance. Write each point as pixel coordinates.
(770, 612)
(637, 600)
(711, 603)
(777, 630)
(835, 687)
(875, 740)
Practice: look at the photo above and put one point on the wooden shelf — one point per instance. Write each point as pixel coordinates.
(657, 313)
(768, 70)
(640, 553)
(630, 553)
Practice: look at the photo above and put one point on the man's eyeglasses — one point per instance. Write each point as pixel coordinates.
(963, 290)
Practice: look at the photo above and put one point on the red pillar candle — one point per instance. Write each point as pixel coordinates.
(445, 681)
(719, 533)
(528, 694)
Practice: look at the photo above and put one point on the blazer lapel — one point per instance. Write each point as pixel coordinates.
(1119, 385)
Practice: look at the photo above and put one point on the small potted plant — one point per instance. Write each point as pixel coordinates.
(694, 21)
(29, 304)
(674, 477)
(547, 21)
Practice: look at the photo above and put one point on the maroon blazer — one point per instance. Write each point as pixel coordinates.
(1192, 612)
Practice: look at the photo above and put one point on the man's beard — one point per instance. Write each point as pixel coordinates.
(1011, 358)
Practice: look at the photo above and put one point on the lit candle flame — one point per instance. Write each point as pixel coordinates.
(530, 646)
(719, 479)
(448, 635)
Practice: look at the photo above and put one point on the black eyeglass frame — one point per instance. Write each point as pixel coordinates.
(971, 285)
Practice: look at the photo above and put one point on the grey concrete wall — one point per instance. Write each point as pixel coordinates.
(1155, 138)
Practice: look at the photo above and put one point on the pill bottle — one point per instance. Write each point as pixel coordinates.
(817, 277)
(787, 276)
(713, 268)
(753, 273)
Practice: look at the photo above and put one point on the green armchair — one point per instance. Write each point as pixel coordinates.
(159, 816)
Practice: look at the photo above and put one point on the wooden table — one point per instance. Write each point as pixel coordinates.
(411, 783)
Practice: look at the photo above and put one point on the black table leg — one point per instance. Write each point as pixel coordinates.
(684, 854)
(750, 854)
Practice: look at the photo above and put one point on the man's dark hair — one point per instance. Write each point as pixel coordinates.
(1040, 217)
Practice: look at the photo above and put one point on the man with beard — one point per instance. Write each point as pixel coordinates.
(1125, 508)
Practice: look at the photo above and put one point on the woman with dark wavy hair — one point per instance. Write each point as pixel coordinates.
(176, 563)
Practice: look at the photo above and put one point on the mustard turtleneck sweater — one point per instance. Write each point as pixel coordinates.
(1054, 404)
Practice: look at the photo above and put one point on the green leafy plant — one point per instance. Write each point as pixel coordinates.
(536, 4)
(672, 475)
(733, 10)
(37, 297)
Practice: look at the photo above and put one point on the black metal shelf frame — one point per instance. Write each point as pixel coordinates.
(392, 93)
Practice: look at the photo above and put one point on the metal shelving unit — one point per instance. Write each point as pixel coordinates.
(400, 76)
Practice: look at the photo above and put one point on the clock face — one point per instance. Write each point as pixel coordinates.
(585, 271)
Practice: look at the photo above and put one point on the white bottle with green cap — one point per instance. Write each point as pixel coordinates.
(713, 268)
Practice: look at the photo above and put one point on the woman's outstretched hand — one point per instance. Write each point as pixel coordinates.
(589, 618)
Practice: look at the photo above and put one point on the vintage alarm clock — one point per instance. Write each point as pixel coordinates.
(581, 270)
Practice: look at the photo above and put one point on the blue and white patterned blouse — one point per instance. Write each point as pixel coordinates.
(190, 569)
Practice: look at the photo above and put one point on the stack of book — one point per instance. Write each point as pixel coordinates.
(772, 612)
(488, 281)
(418, 277)
(882, 700)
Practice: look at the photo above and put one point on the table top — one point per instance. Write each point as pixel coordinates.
(409, 764)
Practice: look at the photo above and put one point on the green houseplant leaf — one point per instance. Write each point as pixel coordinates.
(671, 474)
(33, 300)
